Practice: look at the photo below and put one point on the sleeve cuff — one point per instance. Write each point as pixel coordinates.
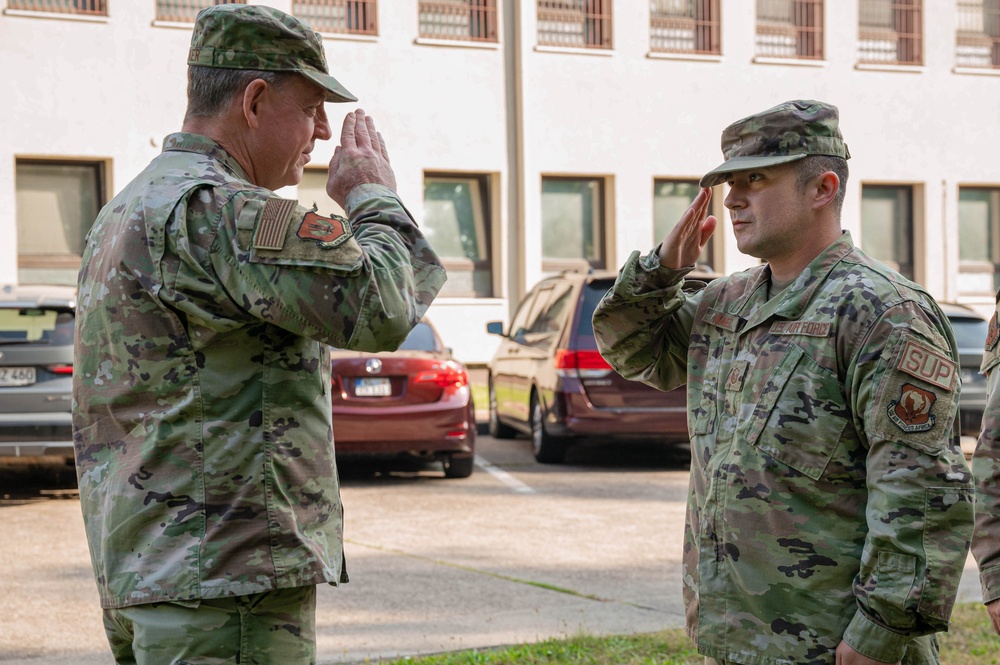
(875, 641)
(989, 579)
(364, 192)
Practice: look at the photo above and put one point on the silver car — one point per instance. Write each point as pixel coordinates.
(970, 333)
(36, 370)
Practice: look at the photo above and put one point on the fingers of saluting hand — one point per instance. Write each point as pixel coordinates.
(381, 146)
(347, 139)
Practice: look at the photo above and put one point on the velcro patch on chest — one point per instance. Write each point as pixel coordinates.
(927, 365)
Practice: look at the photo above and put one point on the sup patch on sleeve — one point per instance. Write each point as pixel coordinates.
(928, 365)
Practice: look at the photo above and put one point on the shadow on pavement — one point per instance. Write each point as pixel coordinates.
(24, 479)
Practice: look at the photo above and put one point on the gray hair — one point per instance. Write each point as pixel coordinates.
(815, 165)
(211, 89)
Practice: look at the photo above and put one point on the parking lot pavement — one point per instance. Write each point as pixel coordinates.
(435, 565)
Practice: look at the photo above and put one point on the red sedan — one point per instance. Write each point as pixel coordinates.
(415, 402)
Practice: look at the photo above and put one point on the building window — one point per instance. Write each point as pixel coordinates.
(890, 32)
(979, 240)
(87, 7)
(790, 29)
(684, 26)
(573, 223)
(461, 20)
(977, 39)
(458, 224)
(354, 17)
(671, 199)
(185, 11)
(887, 226)
(575, 23)
(312, 193)
(57, 203)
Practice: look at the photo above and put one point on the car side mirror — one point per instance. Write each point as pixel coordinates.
(495, 328)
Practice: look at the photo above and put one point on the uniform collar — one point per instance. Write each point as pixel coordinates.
(793, 301)
(187, 142)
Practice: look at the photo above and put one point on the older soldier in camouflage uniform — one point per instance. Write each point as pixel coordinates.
(206, 303)
(986, 469)
(830, 508)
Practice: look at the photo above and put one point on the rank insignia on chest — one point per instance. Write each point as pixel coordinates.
(911, 411)
(993, 334)
(737, 374)
(327, 232)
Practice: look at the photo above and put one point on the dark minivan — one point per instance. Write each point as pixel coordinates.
(548, 380)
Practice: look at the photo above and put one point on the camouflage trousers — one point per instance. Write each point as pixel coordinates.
(922, 651)
(272, 628)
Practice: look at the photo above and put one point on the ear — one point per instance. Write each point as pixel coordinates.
(253, 97)
(827, 185)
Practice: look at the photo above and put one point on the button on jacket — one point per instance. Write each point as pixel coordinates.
(829, 499)
(202, 421)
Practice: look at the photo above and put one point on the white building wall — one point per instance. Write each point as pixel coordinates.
(113, 88)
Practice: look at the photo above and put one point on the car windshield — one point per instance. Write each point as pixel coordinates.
(970, 333)
(35, 325)
(421, 338)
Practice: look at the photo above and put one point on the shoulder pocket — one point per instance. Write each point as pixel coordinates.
(799, 415)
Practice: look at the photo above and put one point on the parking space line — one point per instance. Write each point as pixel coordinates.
(504, 477)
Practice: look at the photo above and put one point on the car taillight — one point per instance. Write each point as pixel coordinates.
(65, 370)
(582, 364)
(445, 376)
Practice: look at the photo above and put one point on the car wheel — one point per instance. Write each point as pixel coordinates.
(497, 429)
(548, 449)
(456, 466)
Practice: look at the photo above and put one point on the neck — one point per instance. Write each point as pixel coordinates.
(220, 131)
(786, 268)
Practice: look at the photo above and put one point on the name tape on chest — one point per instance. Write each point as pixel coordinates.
(928, 365)
(807, 328)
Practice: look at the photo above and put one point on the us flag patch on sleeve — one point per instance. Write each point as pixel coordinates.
(273, 223)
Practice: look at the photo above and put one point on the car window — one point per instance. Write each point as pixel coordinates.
(528, 313)
(592, 294)
(36, 325)
(970, 332)
(421, 338)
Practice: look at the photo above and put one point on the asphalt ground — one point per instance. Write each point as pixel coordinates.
(519, 552)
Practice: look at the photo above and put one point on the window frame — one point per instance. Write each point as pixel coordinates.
(708, 255)
(595, 18)
(985, 37)
(102, 194)
(804, 27)
(903, 28)
(975, 267)
(71, 7)
(367, 10)
(482, 20)
(600, 231)
(483, 222)
(188, 11)
(705, 30)
(906, 195)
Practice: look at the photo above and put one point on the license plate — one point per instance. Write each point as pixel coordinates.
(372, 388)
(17, 376)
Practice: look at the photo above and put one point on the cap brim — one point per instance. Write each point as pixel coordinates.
(717, 175)
(337, 92)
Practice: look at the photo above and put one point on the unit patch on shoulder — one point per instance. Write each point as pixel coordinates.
(326, 232)
(993, 333)
(911, 411)
(270, 232)
(927, 365)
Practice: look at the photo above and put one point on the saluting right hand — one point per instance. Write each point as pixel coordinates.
(686, 241)
(361, 157)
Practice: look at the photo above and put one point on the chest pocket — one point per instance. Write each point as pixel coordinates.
(799, 415)
(703, 390)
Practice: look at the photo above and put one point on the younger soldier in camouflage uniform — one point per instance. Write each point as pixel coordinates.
(986, 469)
(830, 509)
(202, 419)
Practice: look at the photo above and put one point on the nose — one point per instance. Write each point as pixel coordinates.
(322, 130)
(734, 199)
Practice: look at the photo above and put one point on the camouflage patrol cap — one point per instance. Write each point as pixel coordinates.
(257, 37)
(784, 133)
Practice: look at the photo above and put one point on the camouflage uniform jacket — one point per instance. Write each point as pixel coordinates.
(828, 499)
(986, 469)
(202, 423)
